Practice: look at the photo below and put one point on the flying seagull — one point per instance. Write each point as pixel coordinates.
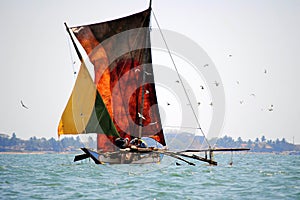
(271, 108)
(168, 103)
(202, 87)
(152, 123)
(206, 65)
(177, 81)
(23, 105)
(147, 73)
(265, 71)
(141, 116)
(216, 83)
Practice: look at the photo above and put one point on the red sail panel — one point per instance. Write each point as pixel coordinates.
(121, 55)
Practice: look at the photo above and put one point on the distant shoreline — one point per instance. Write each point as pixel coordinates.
(75, 152)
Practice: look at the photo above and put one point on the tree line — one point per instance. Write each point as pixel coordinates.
(258, 145)
(38, 144)
(70, 144)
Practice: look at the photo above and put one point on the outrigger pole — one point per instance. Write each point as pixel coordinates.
(209, 158)
(208, 154)
(220, 149)
(178, 155)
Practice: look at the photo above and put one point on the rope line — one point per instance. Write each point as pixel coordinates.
(180, 79)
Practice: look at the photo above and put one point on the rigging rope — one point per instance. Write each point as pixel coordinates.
(180, 79)
(71, 55)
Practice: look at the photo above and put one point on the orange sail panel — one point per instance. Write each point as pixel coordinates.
(121, 54)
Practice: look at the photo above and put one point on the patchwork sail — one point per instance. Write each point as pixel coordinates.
(120, 100)
(124, 74)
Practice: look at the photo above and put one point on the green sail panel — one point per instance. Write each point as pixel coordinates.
(100, 121)
(85, 111)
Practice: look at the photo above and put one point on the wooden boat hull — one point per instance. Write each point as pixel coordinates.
(121, 157)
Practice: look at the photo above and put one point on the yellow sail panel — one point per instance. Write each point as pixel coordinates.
(80, 105)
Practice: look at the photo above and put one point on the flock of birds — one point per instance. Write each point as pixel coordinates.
(270, 108)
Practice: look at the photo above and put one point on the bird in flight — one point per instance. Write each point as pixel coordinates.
(216, 83)
(147, 73)
(23, 105)
(141, 116)
(202, 87)
(152, 123)
(271, 108)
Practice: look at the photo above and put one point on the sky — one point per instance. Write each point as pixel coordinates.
(260, 35)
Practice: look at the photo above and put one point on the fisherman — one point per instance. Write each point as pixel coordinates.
(122, 143)
(138, 143)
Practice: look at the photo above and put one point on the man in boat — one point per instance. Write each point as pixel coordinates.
(138, 142)
(135, 143)
(122, 143)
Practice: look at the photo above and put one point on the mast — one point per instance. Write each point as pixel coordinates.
(143, 93)
(142, 103)
(76, 49)
(74, 44)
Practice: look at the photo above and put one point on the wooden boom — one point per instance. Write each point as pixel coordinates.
(220, 149)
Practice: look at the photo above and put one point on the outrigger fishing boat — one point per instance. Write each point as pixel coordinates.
(119, 103)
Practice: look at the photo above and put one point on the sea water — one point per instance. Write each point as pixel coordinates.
(56, 176)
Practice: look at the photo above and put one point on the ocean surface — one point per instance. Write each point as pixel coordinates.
(56, 176)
